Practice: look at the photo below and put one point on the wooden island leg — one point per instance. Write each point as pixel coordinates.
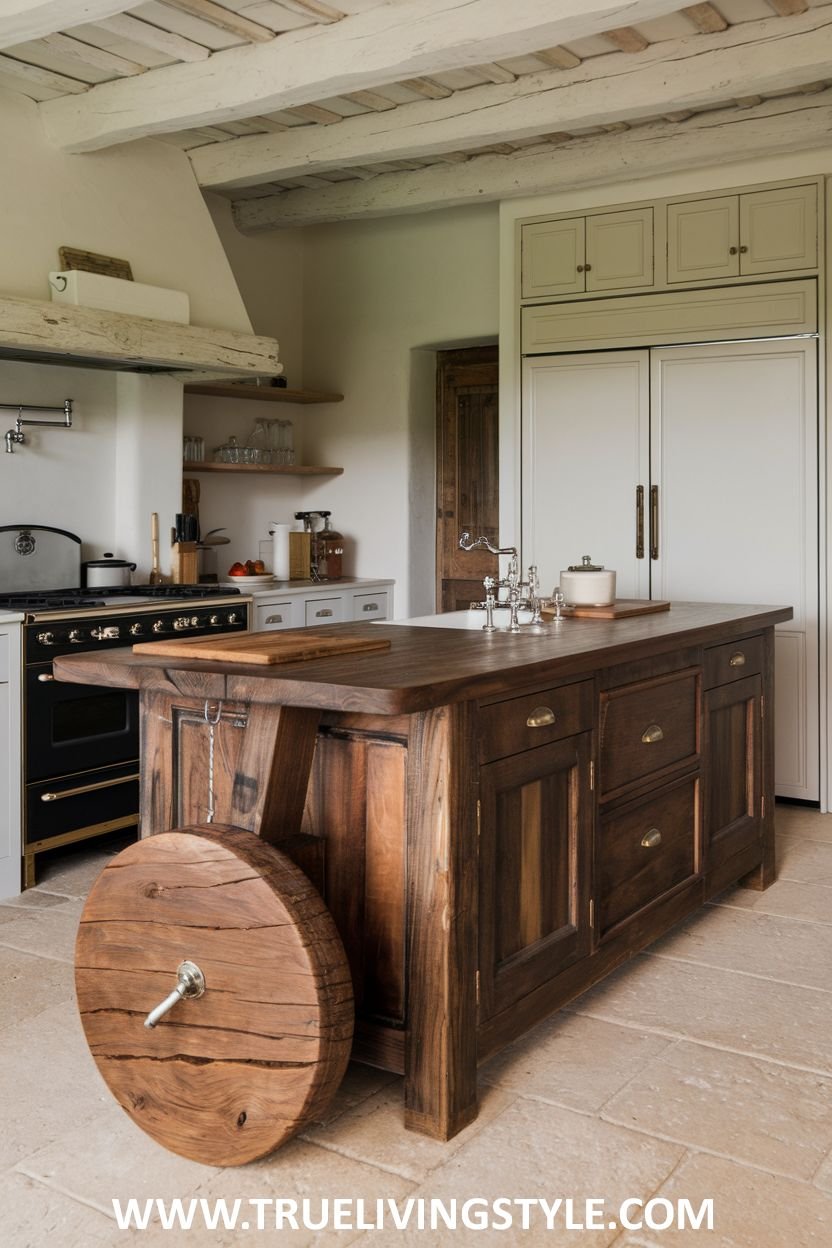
(441, 1056)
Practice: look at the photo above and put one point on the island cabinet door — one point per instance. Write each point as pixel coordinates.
(733, 787)
(535, 859)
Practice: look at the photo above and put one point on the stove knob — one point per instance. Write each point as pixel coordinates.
(158, 626)
(135, 630)
(179, 624)
(110, 633)
(46, 639)
(75, 635)
(213, 619)
(232, 617)
(194, 621)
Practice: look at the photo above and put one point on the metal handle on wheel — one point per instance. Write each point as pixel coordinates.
(190, 985)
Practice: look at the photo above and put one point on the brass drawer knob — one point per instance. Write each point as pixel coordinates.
(651, 839)
(737, 659)
(541, 717)
(652, 734)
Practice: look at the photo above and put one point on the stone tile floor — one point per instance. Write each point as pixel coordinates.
(701, 1069)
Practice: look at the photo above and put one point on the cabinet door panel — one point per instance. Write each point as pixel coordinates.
(585, 450)
(734, 452)
(551, 254)
(534, 869)
(619, 250)
(778, 230)
(700, 235)
(734, 778)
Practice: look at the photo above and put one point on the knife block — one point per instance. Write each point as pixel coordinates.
(183, 563)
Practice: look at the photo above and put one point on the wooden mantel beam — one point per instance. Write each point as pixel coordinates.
(672, 76)
(22, 20)
(387, 43)
(788, 124)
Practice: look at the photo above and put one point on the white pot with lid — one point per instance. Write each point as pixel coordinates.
(588, 584)
(106, 572)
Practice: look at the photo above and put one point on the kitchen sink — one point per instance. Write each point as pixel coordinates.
(462, 619)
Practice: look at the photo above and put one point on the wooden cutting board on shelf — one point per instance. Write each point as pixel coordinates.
(265, 648)
(621, 609)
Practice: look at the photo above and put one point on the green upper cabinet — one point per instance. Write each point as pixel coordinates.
(575, 255)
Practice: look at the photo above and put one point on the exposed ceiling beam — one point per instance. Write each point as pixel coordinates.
(385, 44)
(788, 124)
(224, 19)
(22, 20)
(668, 77)
(705, 18)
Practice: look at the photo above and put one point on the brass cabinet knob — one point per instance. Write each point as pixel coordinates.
(732, 251)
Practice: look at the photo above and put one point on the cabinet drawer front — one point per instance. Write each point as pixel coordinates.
(370, 606)
(646, 849)
(4, 659)
(273, 615)
(648, 727)
(523, 723)
(733, 661)
(323, 611)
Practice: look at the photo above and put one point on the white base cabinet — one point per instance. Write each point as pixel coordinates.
(10, 760)
(331, 603)
(692, 472)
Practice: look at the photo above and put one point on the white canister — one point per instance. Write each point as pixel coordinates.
(588, 584)
(280, 550)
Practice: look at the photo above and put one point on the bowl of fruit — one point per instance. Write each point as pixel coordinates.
(252, 572)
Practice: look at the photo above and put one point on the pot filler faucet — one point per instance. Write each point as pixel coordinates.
(530, 601)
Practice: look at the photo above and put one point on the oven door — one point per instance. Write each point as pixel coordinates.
(73, 728)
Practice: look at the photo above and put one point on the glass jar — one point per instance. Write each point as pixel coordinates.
(258, 444)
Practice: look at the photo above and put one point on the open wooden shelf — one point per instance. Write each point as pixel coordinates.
(265, 394)
(277, 470)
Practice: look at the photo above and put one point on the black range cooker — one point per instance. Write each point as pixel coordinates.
(81, 742)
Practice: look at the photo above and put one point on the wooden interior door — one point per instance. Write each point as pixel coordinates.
(467, 472)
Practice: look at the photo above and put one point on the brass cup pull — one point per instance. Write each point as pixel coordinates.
(323, 613)
(652, 734)
(273, 619)
(737, 659)
(190, 983)
(541, 717)
(651, 839)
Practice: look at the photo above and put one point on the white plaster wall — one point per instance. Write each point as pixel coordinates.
(379, 298)
(139, 202)
(268, 269)
(123, 457)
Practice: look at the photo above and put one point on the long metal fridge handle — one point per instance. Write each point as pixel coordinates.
(654, 522)
(639, 522)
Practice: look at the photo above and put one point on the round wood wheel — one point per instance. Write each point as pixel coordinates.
(226, 1076)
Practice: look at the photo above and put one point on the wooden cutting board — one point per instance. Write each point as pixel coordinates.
(266, 648)
(621, 609)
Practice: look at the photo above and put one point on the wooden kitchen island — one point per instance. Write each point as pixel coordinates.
(495, 821)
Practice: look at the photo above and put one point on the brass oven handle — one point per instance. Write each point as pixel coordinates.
(651, 839)
(190, 983)
(652, 734)
(639, 522)
(737, 659)
(654, 522)
(87, 788)
(45, 676)
(541, 717)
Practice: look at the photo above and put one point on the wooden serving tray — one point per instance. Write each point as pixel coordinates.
(266, 648)
(621, 609)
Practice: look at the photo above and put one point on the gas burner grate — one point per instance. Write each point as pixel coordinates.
(47, 602)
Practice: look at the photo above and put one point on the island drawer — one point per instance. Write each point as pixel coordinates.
(535, 719)
(648, 727)
(733, 661)
(645, 849)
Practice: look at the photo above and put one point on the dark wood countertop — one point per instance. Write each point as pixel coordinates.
(429, 667)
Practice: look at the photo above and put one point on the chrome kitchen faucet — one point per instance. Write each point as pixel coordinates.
(511, 582)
